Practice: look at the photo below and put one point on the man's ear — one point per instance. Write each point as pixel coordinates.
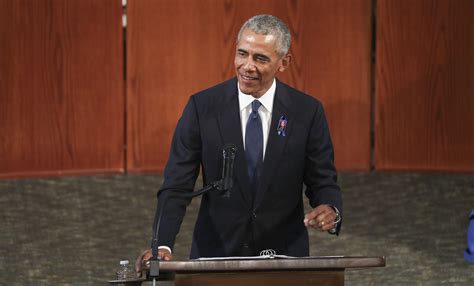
(285, 62)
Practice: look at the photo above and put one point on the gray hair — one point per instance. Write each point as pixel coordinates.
(269, 25)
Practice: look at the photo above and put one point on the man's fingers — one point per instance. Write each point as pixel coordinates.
(322, 217)
(327, 220)
(319, 222)
(142, 261)
(314, 213)
(164, 254)
(313, 223)
(146, 255)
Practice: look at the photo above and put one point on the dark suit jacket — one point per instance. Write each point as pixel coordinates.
(243, 224)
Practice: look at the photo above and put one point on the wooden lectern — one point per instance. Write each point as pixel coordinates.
(320, 270)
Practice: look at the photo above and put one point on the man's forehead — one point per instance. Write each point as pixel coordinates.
(259, 43)
(254, 37)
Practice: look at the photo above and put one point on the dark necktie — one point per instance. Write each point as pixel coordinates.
(254, 144)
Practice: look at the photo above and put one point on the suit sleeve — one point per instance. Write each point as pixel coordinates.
(320, 173)
(180, 174)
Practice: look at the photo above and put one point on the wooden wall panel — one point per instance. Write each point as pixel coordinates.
(425, 85)
(176, 48)
(332, 49)
(61, 87)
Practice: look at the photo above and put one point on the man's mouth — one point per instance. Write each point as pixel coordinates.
(245, 77)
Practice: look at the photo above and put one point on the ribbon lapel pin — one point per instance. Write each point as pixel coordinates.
(282, 126)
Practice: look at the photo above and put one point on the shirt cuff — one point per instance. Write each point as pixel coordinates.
(164, 247)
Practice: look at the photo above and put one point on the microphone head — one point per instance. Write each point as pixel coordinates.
(228, 154)
(229, 150)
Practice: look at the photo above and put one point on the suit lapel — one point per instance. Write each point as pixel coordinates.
(276, 143)
(231, 132)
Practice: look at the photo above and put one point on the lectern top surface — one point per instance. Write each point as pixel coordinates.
(311, 263)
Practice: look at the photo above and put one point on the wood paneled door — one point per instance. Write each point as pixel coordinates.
(61, 87)
(425, 85)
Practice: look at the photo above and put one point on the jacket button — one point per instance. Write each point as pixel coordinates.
(254, 215)
(245, 245)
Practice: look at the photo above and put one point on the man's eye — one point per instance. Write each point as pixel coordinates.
(261, 59)
(242, 53)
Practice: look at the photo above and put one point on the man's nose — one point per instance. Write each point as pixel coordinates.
(249, 65)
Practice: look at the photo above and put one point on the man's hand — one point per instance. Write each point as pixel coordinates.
(142, 261)
(321, 217)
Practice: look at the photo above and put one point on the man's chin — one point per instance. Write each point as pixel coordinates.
(248, 91)
(246, 88)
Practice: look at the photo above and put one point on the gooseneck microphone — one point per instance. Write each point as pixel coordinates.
(223, 185)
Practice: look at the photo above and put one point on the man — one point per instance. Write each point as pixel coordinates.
(283, 143)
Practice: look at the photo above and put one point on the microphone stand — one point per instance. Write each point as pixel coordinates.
(223, 185)
(155, 262)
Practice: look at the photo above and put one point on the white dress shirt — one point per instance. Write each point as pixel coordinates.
(265, 111)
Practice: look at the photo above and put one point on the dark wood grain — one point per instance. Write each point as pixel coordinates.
(283, 278)
(424, 85)
(176, 48)
(61, 87)
(332, 61)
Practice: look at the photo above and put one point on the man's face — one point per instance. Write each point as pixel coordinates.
(257, 61)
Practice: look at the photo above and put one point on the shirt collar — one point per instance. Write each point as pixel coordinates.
(266, 100)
